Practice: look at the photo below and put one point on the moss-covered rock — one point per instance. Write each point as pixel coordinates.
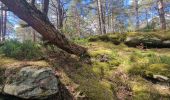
(148, 39)
(114, 38)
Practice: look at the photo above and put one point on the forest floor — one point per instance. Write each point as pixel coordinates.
(115, 72)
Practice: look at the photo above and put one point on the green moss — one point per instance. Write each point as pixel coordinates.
(90, 85)
(114, 63)
(100, 52)
(145, 95)
(163, 35)
(159, 69)
(96, 91)
(80, 41)
(114, 38)
(159, 59)
(101, 68)
(151, 65)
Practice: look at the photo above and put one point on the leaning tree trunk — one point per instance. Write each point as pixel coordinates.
(41, 24)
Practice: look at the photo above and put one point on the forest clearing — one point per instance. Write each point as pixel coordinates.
(84, 50)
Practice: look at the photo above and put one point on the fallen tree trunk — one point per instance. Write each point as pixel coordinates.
(41, 24)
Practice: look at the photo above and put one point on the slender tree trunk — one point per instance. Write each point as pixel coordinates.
(59, 14)
(137, 13)
(45, 7)
(146, 17)
(1, 22)
(101, 17)
(33, 35)
(161, 14)
(41, 24)
(32, 2)
(4, 26)
(77, 21)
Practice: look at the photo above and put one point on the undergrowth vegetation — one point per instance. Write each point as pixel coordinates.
(18, 50)
(149, 65)
(116, 71)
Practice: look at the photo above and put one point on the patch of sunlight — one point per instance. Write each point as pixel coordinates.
(41, 63)
(95, 53)
(5, 60)
(106, 84)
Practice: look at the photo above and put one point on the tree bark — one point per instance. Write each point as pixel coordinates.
(46, 6)
(60, 14)
(161, 14)
(1, 22)
(4, 25)
(137, 13)
(101, 17)
(41, 24)
(32, 2)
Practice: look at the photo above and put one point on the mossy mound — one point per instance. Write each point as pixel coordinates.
(149, 39)
(116, 38)
(163, 35)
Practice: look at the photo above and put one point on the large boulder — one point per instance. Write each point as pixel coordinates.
(32, 83)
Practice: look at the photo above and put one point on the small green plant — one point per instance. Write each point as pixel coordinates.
(80, 41)
(159, 59)
(155, 65)
(18, 50)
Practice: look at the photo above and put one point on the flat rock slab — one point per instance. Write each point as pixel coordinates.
(32, 83)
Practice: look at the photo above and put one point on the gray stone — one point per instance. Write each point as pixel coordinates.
(160, 77)
(32, 83)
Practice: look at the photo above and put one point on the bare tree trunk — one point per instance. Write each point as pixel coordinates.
(46, 6)
(77, 21)
(101, 17)
(33, 35)
(146, 17)
(1, 22)
(137, 13)
(41, 24)
(4, 26)
(161, 14)
(32, 2)
(59, 15)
